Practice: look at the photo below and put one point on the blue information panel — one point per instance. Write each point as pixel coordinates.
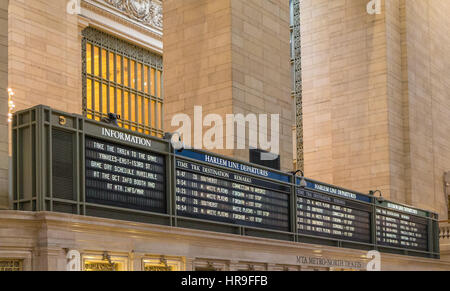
(234, 165)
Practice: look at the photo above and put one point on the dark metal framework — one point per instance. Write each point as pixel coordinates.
(296, 60)
(39, 186)
(133, 53)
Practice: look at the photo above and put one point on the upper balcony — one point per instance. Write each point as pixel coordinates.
(444, 239)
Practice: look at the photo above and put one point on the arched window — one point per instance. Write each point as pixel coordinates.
(122, 78)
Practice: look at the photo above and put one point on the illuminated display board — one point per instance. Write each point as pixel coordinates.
(327, 211)
(89, 168)
(125, 177)
(325, 215)
(402, 227)
(217, 194)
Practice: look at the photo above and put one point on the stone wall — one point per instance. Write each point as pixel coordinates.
(427, 113)
(40, 50)
(197, 59)
(261, 66)
(344, 95)
(44, 55)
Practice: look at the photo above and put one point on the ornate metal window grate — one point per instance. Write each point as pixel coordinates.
(122, 78)
(11, 265)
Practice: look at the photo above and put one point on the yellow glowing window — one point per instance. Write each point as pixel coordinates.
(96, 60)
(89, 97)
(153, 109)
(146, 79)
(112, 99)
(111, 67)
(152, 81)
(125, 107)
(104, 63)
(146, 111)
(89, 58)
(97, 99)
(119, 69)
(126, 71)
(139, 77)
(158, 84)
(159, 110)
(105, 108)
(132, 74)
(139, 110)
(123, 79)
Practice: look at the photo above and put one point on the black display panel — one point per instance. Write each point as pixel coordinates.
(220, 195)
(324, 215)
(125, 177)
(396, 229)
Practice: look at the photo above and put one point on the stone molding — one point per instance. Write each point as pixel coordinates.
(276, 252)
(121, 18)
(147, 12)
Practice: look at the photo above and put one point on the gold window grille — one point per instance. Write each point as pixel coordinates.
(11, 265)
(100, 266)
(104, 262)
(124, 79)
(163, 263)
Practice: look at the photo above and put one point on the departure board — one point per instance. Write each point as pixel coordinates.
(401, 229)
(212, 193)
(123, 176)
(325, 215)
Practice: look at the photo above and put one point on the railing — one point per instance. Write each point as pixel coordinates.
(444, 239)
(444, 230)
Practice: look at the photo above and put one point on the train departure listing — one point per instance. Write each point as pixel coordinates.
(221, 195)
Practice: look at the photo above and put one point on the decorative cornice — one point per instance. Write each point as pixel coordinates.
(145, 13)
(148, 12)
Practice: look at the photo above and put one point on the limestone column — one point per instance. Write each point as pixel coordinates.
(230, 57)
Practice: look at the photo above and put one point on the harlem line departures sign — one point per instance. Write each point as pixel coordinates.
(99, 170)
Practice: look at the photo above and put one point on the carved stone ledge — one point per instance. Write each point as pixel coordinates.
(100, 15)
(145, 12)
